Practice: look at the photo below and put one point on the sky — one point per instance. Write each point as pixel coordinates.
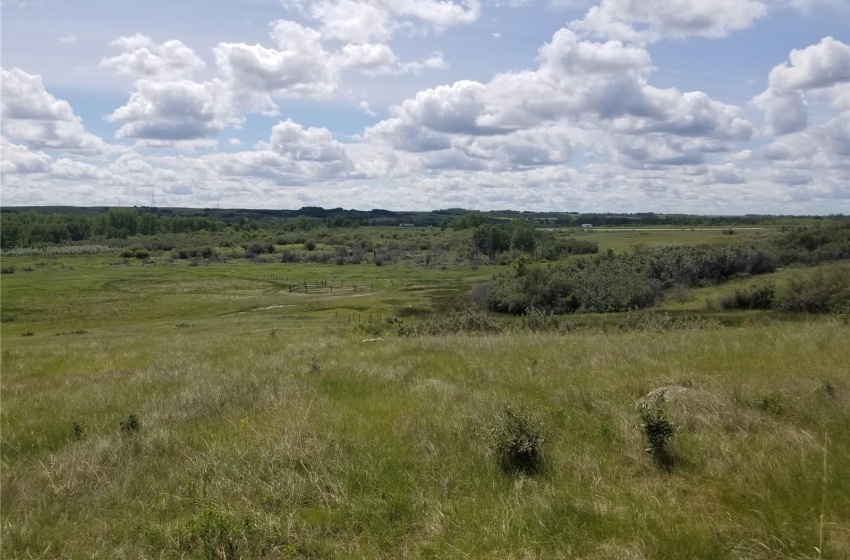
(676, 106)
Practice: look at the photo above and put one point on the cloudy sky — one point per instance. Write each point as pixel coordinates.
(693, 106)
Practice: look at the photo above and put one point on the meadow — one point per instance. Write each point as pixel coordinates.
(239, 408)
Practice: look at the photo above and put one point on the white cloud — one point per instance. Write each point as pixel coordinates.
(356, 22)
(366, 21)
(641, 21)
(144, 59)
(35, 117)
(174, 111)
(371, 59)
(366, 108)
(818, 70)
(20, 159)
(589, 96)
(299, 66)
(311, 144)
(784, 111)
(68, 39)
(69, 170)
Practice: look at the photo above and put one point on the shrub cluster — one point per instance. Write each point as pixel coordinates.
(517, 438)
(467, 321)
(754, 297)
(657, 430)
(611, 283)
(821, 292)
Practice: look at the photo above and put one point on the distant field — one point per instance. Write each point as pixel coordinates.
(280, 416)
(626, 239)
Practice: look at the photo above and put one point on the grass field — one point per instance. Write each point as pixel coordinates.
(275, 422)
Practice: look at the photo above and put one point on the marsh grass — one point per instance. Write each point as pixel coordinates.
(245, 450)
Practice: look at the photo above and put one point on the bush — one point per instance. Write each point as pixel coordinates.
(130, 424)
(754, 297)
(79, 430)
(822, 292)
(517, 440)
(455, 322)
(657, 430)
(218, 535)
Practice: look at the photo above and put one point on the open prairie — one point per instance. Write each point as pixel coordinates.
(266, 410)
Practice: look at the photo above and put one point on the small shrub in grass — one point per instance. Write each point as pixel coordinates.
(754, 297)
(313, 364)
(79, 430)
(517, 439)
(217, 535)
(657, 430)
(771, 403)
(130, 424)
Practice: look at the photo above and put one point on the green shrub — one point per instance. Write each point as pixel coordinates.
(79, 430)
(217, 535)
(772, 403)
(822, 292)
(657, 429)
(471, 321)
(517, 438)
(754, 297)
(130, 424)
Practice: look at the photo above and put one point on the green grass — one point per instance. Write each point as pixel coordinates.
(270, 428)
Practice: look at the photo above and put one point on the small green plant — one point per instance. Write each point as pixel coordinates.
(772, 403)
(313, 364)
(827, 388)
(517, 439)
(217, 535)
(657, 430)
(130, 424)
(79, 430)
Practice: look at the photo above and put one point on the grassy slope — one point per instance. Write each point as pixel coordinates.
(277, 431)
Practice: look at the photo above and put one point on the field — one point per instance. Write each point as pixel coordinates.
(268, 410)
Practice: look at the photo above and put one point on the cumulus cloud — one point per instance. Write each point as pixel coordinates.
(640, 21)
(821, 69)
(35, 117)
(371, 59)
(142, 58)
(20, 159)
(311, 144)
(70, 170)
(366, 21)
(584, 95)
(817, 66)
(298, 66)
(174, 111)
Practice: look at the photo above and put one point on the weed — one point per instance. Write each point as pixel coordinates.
(827, 388)
(28, 333)
(79, 430)
(313, 364)
(130, 424)
(657, 430)
(772, 403)
(217, 535)
(517, 439)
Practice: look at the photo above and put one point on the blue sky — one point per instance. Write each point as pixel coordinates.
(694, 106)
